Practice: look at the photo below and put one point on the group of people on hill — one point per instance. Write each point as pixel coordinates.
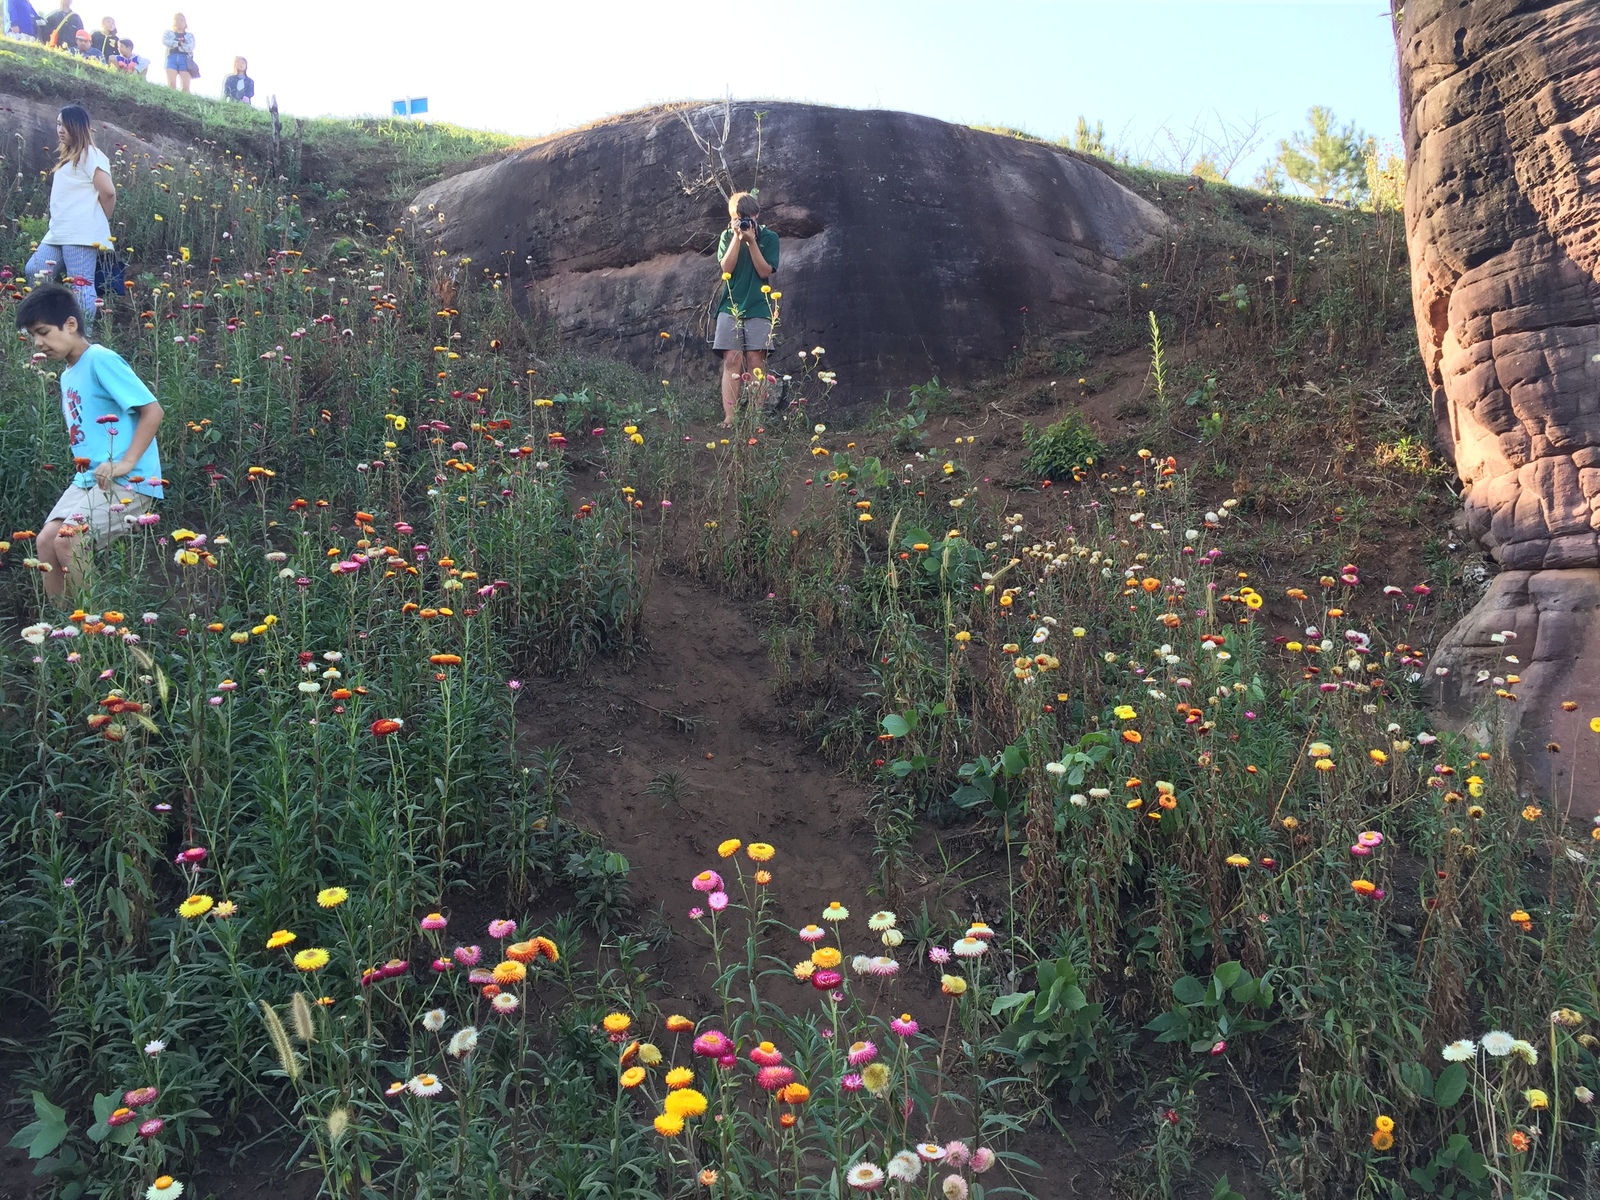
(64, 30)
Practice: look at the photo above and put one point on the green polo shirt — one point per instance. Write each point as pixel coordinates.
(742, 296)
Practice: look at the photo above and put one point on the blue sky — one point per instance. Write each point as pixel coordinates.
(1146, 68)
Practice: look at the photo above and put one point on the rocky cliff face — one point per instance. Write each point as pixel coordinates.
(910, 247)
(1501, 103)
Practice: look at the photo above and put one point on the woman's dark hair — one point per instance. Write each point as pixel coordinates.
(50, 304)
(75, 145)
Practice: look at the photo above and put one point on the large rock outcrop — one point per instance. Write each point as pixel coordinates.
(911, 247)
(1501, 106)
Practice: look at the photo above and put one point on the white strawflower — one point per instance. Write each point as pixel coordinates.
(463, 1043)
(433, 1020)
(881, 920)
(905, 1166)
(1526, 1052)
(1459, 1051)
(1497, 1043)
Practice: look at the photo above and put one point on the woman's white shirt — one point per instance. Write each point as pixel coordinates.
(76, 218)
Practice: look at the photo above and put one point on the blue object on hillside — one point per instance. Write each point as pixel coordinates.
(22, 16)
(411, 106)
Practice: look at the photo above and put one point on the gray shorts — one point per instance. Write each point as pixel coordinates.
(754, 333)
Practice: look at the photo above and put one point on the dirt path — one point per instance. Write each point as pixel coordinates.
(699, 704)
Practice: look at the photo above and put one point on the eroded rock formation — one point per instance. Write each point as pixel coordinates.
(911, 247)
(1501, 105)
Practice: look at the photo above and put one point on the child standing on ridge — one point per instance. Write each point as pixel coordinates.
(180, 52)
(111, 420)
(239, 86)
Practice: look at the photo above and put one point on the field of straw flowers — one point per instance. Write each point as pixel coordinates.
(279, 877)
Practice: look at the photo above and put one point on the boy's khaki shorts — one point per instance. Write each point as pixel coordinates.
(105, 516)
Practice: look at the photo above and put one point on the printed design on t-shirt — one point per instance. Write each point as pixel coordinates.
(73, 404)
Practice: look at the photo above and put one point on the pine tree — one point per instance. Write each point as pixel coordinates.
(1330, 162)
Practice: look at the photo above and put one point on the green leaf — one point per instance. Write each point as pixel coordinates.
(1188, 990)
(1228, 974)
(1014, 759)
(1450, 1086)
(896, 726)
(1007, 1003)
(42, 1136)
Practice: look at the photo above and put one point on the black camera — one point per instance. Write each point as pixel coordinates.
(747, 222)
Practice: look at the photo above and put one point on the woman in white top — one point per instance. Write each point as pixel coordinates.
(82, 199)
(180, 52)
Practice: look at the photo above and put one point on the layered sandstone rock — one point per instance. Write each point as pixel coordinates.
(1501, 104)
(911, 247)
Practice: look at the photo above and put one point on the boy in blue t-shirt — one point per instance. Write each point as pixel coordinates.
(111, 427)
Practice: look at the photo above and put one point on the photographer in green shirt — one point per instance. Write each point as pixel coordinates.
(748, 255)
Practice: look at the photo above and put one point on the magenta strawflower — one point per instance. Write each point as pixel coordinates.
(713, 1043)
(148, 1129)
(441, 965)
(501, 928)
(771, 1079)
(718, 901)
(939, 955)
(826, 981)
(852, 1082)
(706, 881)
(861, 1053)
(467, 956)
(139, 1097)
(904, 1025)
(766, 1055)
(697, 913)
(433, 922)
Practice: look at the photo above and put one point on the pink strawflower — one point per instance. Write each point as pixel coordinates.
(500, 928)
(813, 933)
(696, 913)
(441, 965)
(771, 1079)
(713, 1043)
(194, 854)
(433, 922)
(904, 1025)
(1370, 837)
(728, 1061)
(467, 956)
(982, 1160)
(148, 1129)
(766, 1055)
(480, 976)
(939, 955)
(1360, 851)
(852, 1082)
(826, 981)
(883, 967)
(718, 901)
(139, 1097)
(861, 1053)
(706, 881)
(956, 1153)
(121, 1117)
(1220, 1047)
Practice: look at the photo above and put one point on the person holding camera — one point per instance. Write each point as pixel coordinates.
(748, 255)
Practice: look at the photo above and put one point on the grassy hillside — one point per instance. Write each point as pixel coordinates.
(1043, 768)
(385, 161)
